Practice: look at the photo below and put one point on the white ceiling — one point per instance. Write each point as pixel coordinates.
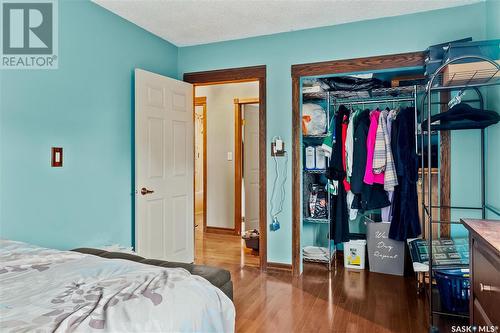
(192, 22)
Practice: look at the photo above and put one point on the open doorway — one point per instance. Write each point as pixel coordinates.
(227, 172)
(246, 213)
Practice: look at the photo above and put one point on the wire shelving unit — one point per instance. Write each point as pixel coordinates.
(315, 140)
(443, 80)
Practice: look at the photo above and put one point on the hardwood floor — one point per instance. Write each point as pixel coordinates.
(223, 250)
(319, 301)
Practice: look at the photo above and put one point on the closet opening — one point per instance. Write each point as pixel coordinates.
(371, 177)
(230, 166)
(326, 97)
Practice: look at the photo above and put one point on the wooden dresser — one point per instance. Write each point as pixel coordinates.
(484, 240)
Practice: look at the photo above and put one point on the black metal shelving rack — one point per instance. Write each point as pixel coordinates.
(459, 81)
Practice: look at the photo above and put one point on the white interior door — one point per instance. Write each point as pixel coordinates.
(251, 165)
(198, 159)
(164, 167)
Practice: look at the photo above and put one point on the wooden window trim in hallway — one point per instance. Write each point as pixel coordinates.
(246, 74)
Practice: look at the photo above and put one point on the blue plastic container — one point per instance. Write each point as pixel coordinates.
(454, 289)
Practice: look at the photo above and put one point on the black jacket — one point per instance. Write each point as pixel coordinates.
(339, 228)
(405, 220)
(366, 197)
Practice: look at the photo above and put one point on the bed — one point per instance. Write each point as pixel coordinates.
(51, 290)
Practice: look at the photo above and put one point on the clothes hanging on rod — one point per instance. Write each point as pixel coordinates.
(370, 176)
(386, 212)
(366, 196)
(349, 144)
(405, 220)
(339, 228)
(384, 140)
(375, 166)
(329, 140)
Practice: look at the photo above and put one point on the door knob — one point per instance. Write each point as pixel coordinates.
(488, 288)
(145, 191)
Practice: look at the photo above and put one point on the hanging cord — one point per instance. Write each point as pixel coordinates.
(271, 206)
(282, 189)
(283, 192)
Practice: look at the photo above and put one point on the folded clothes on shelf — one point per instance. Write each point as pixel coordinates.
(315, 253)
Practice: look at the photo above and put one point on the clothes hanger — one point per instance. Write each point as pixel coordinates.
(457, 99)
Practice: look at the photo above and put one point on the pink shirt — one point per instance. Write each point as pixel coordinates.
(370, 177)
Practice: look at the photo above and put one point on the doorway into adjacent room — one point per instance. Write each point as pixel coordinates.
(227, 173)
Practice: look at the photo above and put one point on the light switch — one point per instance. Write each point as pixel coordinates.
(57, 157)
(230, 156)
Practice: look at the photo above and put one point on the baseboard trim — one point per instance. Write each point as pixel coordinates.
(279, 266)
(219, 230)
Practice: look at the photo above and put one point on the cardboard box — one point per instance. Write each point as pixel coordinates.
(469, 73)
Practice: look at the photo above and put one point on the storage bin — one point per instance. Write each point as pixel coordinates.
(385, 255)
(354, 254)
(488, 48)
(454, 289)
(251, 238)
(431, 67)
(436, 52)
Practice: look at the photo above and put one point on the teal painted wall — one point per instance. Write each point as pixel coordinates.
(369, 38)
(493, 132)
(465, 149)
(86, 107)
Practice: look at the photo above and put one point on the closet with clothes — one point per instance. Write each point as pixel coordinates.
(361, 131)
(408, 145)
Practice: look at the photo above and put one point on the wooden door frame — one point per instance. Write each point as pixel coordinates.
(202, 101)
(246, 74)
(238, 158)
(366, 64)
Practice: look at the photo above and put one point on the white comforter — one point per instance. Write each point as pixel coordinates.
(48, 290)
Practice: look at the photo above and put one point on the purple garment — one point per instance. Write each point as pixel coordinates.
(387, 211)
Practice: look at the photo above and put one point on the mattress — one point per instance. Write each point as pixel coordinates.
(50, 290)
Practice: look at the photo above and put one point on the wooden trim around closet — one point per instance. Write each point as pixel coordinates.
(412, 59)
(247, 74)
